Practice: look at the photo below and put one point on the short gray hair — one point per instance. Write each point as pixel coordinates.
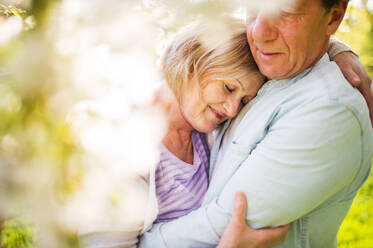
(328, 4)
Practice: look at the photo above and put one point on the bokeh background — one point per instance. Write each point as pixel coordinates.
(77, 79)
(357, 32)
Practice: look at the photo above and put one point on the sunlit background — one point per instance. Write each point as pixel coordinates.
(78, 129)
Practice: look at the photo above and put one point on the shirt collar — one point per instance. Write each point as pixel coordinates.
(282, 83)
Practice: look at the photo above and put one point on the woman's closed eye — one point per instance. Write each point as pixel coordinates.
(230, 90)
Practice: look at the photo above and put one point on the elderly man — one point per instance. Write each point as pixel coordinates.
(299, 151)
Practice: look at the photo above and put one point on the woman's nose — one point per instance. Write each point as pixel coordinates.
(231, 107)
(263, 28)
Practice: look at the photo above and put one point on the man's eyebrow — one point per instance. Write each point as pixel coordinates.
(299, 8)
(294, 6)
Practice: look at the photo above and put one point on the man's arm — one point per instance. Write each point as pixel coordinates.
(240, 235)
(300, 163)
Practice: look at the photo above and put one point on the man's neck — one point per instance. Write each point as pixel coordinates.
(307, 65)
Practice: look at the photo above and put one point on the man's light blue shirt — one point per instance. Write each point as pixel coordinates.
(299, 151)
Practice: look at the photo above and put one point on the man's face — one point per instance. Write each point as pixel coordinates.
(286, 43)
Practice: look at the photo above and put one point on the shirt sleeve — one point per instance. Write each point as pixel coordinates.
(308, 155)
(336, 46)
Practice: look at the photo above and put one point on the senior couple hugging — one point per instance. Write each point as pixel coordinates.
(292, 137)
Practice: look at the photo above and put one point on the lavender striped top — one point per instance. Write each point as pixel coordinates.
(180, 186)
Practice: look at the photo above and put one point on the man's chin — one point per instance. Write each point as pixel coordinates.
(271, 72)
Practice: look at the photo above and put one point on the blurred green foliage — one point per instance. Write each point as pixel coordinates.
(357, 32)
(29, 132)
(357, 228)
(17, 233)
(10, 11)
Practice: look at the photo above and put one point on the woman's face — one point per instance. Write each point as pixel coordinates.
(205, 106)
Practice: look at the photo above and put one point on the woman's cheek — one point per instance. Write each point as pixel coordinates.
(214, 94)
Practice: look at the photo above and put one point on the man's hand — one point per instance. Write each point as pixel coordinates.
(355, 73)
(238, 234)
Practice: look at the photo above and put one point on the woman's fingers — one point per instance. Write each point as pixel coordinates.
(355, 73)
(364, 85)
(258, 238)
(235, 233)
(240, 235)
(367, 93)
(240, 206)
(274, 236)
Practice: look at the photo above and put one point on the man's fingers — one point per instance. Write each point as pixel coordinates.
(240, 205)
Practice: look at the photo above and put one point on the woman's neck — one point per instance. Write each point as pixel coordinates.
(178, 139)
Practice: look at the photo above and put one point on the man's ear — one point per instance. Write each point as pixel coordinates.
(336, 14)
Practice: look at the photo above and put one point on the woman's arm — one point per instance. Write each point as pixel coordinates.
(355, 73)
(353, 70)
(336, 47)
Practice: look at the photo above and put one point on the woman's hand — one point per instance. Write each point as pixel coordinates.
(355, 73)
(238, 234)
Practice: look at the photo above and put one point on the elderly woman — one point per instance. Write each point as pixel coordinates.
(205, 87)
(207, 83)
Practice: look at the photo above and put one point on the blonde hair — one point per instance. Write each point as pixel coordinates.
(189, 56)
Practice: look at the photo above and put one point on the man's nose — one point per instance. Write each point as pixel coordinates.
(231, 107)
(264, 28)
